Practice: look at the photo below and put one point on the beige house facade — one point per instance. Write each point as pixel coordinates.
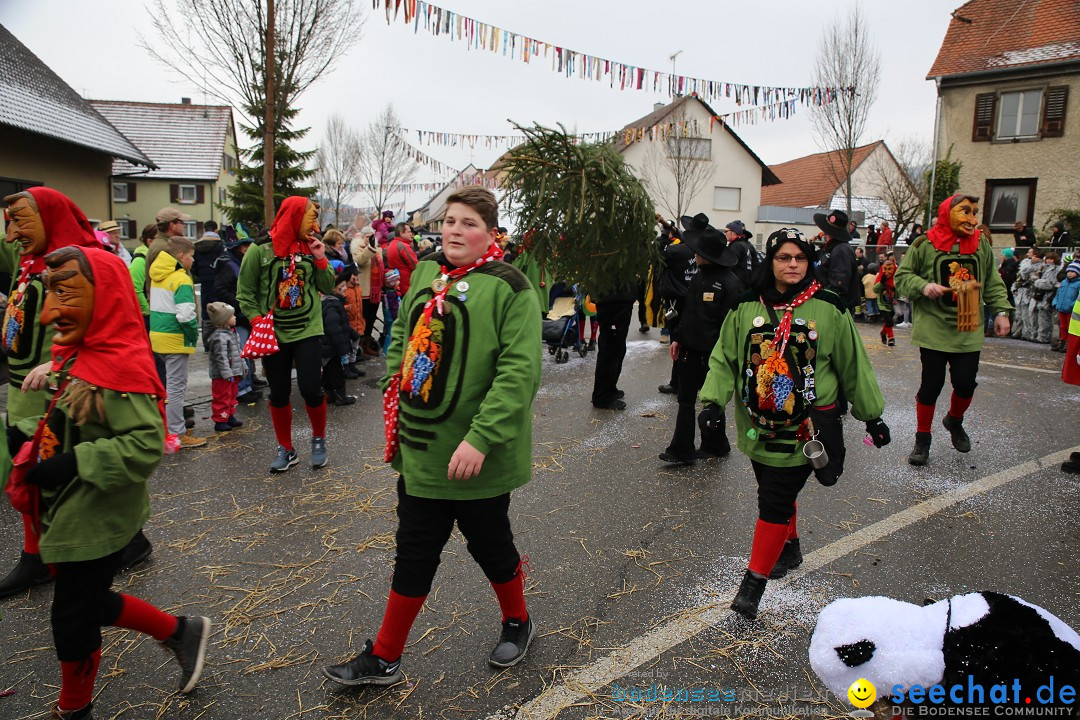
(693, 164)
(1008, 108)
(195, 151)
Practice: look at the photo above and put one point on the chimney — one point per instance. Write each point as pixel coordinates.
(659, 106)
(185, 101)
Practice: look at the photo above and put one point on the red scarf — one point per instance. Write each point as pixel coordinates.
(783, 330)
(942, 236)
(286, 226)
(115, 352)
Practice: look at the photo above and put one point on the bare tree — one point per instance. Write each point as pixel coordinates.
(903, 184)
(386, 163)
(337, 165)
(220, 45)
(675, 170)
(847, 59)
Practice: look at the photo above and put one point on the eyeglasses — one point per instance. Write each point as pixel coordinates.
(784, 259)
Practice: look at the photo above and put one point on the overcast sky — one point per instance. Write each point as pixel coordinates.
(436, 84)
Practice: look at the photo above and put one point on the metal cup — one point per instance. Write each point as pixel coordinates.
(814, 450)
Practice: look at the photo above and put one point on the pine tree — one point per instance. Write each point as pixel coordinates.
(290, 168)
(584, 216)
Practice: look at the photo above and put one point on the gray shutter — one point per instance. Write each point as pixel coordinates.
(983, 127)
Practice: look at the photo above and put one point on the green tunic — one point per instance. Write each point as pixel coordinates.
(257, 292)
(482, 389)
(933, 322)
(34, 343)
(823, 335)
(99, 511)
(525, 263)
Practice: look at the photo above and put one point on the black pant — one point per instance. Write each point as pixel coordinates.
(778, 488)
(963, 367)
(371, 310)
(642, 309)
(424, 526)
(307, 355)
(614, 320)
(692, 367)
(333, 379)
(83, 603)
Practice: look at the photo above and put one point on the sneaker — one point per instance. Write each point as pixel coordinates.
(318, 452)
(345, 400)
(365, 669)
(955, 426)
(135, 552)
(749, 596)
(29, 571)
(172, 443)
(513, 643)
(285, 459)
(920, 455)
(85, 713)
(884, 338)
(191, 440)
(892, 342)
(259, 383)
(790, 558)
(233, 422)
(665, 339)
(189, 649)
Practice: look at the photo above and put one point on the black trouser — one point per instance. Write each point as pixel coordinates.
(83, 603)
(692, 367)
(642, 314)
(424, 526)
(614, 320)
(963, 367)
(333, 379)
(371, 311)
(778, 488)
(307, 356)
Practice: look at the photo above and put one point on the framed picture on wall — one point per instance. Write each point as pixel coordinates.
(1007, 201)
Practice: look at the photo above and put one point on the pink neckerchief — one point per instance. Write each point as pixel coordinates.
(783, 330)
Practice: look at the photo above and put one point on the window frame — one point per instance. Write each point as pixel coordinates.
(999, 120)
(127, 194)
(191, 229)
(738, 203)
(180, 194)
(993, 188)
(672, 142)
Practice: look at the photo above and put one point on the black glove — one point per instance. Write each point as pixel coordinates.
(711, 417)
(55, 472)
(15, 439)
(878, 432)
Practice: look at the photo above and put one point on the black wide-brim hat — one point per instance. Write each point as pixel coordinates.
(712, 245)
(835, 224)
(697, 223)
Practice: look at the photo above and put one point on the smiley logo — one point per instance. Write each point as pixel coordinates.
(862, 693)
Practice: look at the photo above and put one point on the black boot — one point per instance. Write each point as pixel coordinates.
(884, 338)
(920, 455)
(135, 552)
(85, 713)
(960, 439)
(29, 571)
(749, 595)
(789, 559)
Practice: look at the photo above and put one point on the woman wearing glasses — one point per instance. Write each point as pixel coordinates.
(784, 351)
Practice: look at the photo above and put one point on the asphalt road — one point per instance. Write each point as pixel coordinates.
(633, 564)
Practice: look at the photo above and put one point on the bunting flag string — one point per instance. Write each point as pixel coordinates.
(419, 156)
(427, 187)
(481, 36)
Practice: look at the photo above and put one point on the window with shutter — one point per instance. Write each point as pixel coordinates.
(120, 192)
(1019, 115)
(983, 128)
(131, 192)
(188, 194)
(1053, 121)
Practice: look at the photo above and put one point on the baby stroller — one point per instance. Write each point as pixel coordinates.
(561, 327)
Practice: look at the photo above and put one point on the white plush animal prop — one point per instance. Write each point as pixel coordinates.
(994, 638)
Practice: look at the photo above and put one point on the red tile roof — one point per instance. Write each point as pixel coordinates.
(811, 181)
(998, 34)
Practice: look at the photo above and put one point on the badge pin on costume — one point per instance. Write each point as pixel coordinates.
(759, 321)
(439, 284)
(462, 287)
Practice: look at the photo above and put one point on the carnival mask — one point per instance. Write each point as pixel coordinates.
(963, 217)
(26, 227)
(69, 303)
(309, 225)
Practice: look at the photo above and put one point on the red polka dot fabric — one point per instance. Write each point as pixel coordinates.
(262, 341)
(390, 417)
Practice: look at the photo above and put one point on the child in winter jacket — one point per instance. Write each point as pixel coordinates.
(336, 341)
(174, 330)
(226, 365)
(354, 308)
(1064, 300)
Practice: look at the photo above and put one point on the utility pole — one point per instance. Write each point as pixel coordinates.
(268, 135)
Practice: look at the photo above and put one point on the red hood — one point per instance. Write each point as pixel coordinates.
(286, 225)
(942, 235)
(115, 352)
(65, 224)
